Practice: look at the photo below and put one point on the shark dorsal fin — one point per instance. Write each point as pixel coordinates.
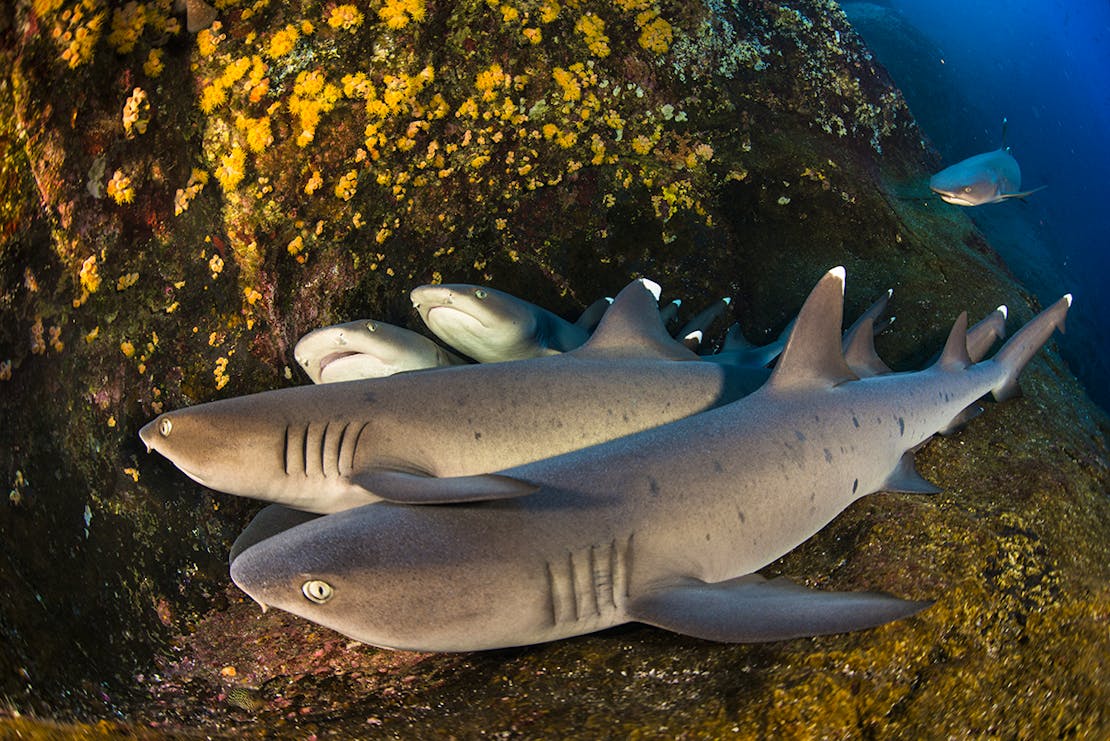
(859, 342)
(955, 356)
(632, 328)
(813, 356)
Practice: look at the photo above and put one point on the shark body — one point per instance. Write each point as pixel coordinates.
(367, 349)
(329, 447)
(990, 177)
(492, 326)
(667, 526)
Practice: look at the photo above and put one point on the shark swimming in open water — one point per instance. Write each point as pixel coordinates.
(667, 526)
(990, 177)
(367, 349)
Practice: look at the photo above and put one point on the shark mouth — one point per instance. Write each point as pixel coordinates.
(332, 357)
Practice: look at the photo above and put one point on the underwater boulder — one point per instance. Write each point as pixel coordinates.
(178, 209)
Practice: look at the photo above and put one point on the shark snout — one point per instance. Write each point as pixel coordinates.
(146, 434)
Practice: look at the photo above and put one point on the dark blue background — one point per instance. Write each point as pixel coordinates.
(1046, 67)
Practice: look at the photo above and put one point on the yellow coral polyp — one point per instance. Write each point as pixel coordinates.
(231, 170)
(282, 42)
(568, 81)
(642, 144)
(396, 14)
(593, 29)
(153, 65)
(136, 113)
(533, 35)
(257, 132)
(549, 11)
(656, 36)
(119, 188)
(347, 185)
(346, 17)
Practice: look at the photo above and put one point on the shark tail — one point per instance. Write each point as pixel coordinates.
(1020, 348)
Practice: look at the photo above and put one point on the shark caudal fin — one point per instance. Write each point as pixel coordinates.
(813, 357)
(1020, 348)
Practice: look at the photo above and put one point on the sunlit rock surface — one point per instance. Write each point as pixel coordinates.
(178, 209)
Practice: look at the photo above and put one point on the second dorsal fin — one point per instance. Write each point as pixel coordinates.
(954, 356)
(813, 356)
(632, 328)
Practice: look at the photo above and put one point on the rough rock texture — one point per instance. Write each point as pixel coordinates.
(308, 162)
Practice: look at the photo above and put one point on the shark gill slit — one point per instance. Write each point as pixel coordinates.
(304, 448)
(590, 582)
(285, 452)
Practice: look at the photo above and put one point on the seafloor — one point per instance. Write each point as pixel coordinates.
(177, 208)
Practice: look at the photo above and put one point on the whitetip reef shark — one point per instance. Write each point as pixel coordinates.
(324, 448)
(489, 325)
(327, 448)
(365, 348)
(666, 527)
(990, 177)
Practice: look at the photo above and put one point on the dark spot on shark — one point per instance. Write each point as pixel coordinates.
(828, 456)
(707, 536)
(855, 485)
(477, 435)
(901, 426)
(653, 485)
(855, 421)
(742, 517)
(798, 434)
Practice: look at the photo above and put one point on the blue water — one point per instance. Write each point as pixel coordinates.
(1046, 67)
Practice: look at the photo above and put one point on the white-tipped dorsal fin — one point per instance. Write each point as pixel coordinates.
(632, 328)
(955, 355)
(813, 356)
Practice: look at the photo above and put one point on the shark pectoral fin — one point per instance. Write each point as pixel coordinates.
(906, 479)
(1022, 194)
(751, 609)
(405, 487)
(960, 420)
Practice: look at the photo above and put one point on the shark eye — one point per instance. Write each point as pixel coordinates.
(967, 189)
(371, 327)
(316, 591)
(480, 293)
(165, 427)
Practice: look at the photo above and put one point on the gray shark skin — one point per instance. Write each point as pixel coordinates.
(665, 527)
(365, 348)
(491, 326)
(329, 447)
(990, 177)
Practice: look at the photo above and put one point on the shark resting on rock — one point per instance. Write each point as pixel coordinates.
(667, 526)
(330, 447)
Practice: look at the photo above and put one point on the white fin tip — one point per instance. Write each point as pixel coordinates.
(727, 300)
(1067, 297)
(655, 288)
(695, 335)
(1003, 310)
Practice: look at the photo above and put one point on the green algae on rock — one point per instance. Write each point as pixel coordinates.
(302, 163)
